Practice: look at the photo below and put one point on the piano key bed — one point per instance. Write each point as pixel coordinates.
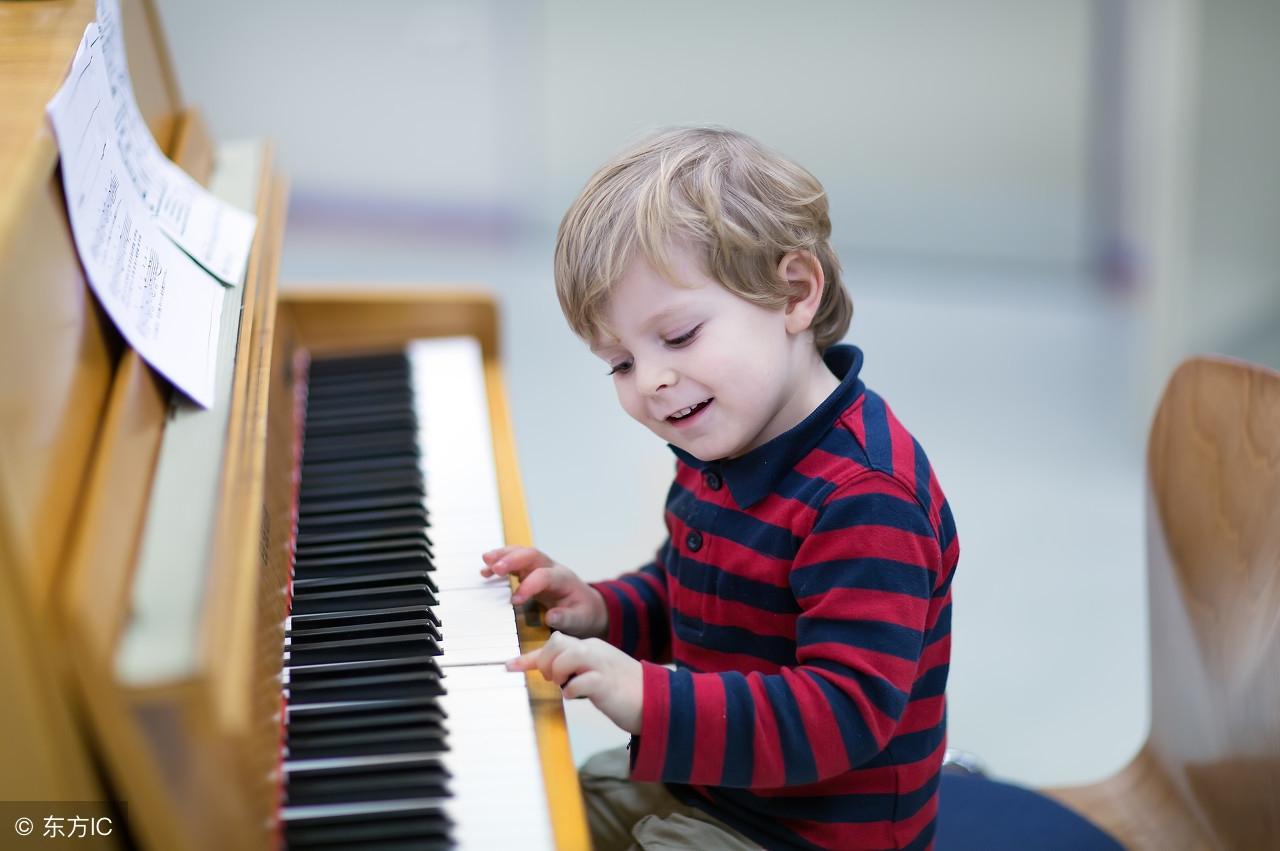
(402, 727)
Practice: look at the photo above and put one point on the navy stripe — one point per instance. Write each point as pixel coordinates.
(947, 524)
(879, 636)
(924, 838)
(739, 723)
(679, 759)
(706, 579)
(879, 443)
(797, 752)
(736, 526)
(910, 803)
(932, 683)
(922, 476)
(859, 744)
(733, 639)
(910, 747)
(809, 490)
(873, 509)
(942, 628)
(630, 627)
(844, 444)
(655, 615)
(883, 694)
(865, 574)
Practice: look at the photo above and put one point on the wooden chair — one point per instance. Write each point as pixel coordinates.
(1209, 773)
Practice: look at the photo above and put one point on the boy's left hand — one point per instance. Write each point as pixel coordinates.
(591, 668)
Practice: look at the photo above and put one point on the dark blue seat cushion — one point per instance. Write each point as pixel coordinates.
(978, 814)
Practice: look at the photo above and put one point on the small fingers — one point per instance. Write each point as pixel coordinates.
(517, 560)
(532, 585)
(582, 685)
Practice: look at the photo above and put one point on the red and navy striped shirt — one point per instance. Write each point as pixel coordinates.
(804, 595)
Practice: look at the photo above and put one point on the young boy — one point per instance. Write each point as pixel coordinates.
(803, 589)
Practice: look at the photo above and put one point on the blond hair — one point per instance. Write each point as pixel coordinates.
(742, 205)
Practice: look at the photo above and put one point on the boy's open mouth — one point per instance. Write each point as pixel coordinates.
(686, 415)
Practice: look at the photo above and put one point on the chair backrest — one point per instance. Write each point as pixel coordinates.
(1213, 539)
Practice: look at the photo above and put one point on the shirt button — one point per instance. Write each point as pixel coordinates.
(693, 541)
(712, 479)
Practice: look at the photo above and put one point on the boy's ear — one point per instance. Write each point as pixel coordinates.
(803, 272)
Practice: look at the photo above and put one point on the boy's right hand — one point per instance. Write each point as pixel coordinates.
(572, 605)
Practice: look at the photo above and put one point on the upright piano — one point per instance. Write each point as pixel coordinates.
(259, 625)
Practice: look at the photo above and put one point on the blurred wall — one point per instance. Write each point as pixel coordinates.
(1234, 292)
(942, 130)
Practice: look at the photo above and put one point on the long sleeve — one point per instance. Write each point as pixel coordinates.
(864, 579)
(639, 611)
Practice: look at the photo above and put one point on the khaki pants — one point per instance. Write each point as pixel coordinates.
(624, 815)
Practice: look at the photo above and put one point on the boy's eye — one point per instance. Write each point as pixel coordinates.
(620, 368)
(684, 338)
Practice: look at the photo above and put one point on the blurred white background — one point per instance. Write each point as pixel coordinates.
(1041, 207)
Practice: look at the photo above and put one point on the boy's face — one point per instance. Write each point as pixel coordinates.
(702, 368)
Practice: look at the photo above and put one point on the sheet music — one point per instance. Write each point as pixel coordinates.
(216, 234)
(166, 306)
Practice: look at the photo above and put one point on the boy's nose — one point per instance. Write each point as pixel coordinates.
(658, 378)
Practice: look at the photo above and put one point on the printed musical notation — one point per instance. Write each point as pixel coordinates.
(165, 305)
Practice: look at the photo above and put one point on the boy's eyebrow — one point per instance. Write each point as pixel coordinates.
(654, 320)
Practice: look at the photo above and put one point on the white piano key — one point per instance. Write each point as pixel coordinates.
(493, 754)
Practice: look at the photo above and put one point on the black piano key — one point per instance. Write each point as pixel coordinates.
(334, 468)
(360, 444)
(388, 615)
(361, 680)
(331, 365)
(339, 564)
(381, 576)
(386, 499)
(426, 828)
(396, 415)
(356, 649)
(417, 626)
(415, 737)
(409, 594)
(369, 713)
(415, 556)
(369, 686)
(425, 777)
(381, 533)
(366, 547)
(407, 513)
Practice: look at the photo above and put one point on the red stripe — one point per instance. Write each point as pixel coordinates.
(785, 512)
(650, 749)
(769, 769)
(923, 713)
(869, 541)
(609, 593)
(720, 612)
(644, 645)
(710, 729)
(734, 558)
(703, 659)
(820, 725)
(863, 604)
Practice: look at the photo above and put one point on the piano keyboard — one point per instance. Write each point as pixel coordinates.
(402, 727)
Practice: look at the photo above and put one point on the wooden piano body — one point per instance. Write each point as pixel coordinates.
(191, 754)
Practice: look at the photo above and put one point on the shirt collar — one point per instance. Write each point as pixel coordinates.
(753, 476)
